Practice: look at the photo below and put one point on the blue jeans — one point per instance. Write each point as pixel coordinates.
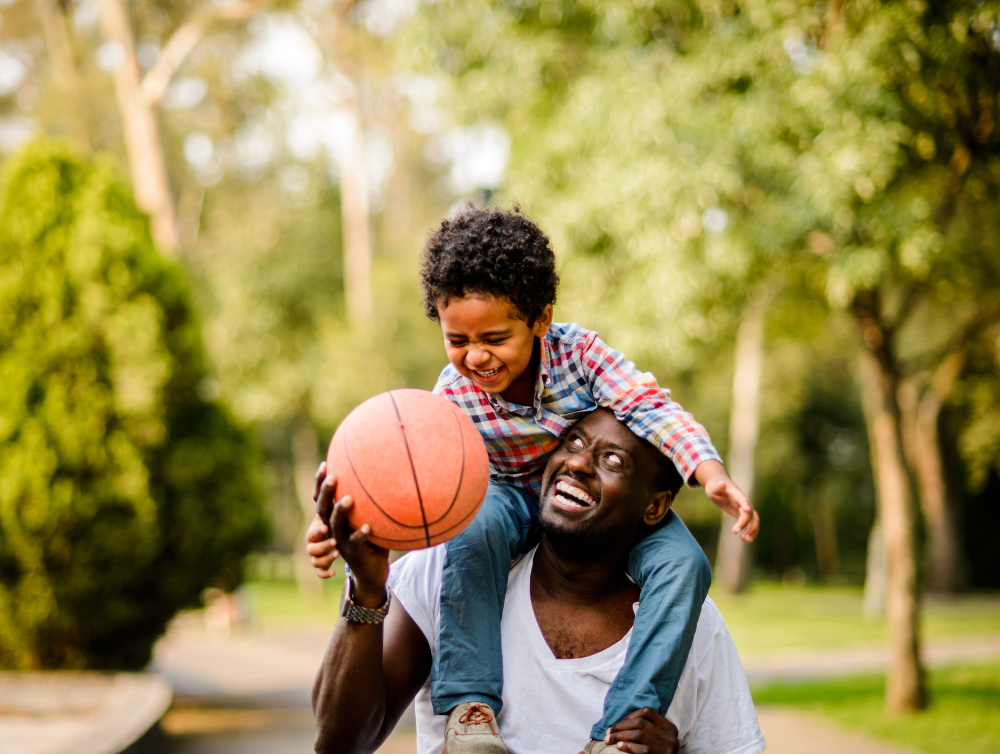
(668, 565)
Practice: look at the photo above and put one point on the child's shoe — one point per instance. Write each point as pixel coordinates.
(472, 729)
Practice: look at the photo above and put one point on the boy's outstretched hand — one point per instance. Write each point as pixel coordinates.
(724, 492)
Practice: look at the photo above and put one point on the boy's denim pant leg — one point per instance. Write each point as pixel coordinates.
(468, 664)
(673, 574)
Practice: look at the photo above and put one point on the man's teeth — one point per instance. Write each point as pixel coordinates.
(570, 495)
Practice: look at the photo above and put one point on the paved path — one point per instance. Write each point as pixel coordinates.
(249, 693)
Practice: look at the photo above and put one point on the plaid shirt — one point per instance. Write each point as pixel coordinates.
(577, 374)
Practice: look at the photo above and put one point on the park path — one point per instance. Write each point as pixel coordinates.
(248, 693)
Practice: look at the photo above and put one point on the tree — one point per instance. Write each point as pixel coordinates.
(124, 492)
(693, 149)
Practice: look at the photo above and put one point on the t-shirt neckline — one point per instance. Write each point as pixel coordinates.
(535, 635)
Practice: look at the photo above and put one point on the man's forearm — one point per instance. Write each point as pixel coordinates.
(349, 696)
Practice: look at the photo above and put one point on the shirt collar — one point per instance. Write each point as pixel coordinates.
(544, 365)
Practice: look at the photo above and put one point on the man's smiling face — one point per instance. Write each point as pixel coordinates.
(599, 482)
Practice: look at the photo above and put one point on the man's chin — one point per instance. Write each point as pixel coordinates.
(573, 540)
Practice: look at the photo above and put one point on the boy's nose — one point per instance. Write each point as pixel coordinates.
(477, 356)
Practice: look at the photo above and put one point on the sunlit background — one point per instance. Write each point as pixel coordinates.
(788, 211)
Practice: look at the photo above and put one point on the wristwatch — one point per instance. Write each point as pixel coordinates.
(356, 613)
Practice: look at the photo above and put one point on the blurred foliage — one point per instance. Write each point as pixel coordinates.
(685, 154)
(124, 493)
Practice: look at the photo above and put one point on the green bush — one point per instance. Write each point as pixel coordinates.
(123, 493)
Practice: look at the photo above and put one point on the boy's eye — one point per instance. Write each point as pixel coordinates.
(457, 343)
(496, 342)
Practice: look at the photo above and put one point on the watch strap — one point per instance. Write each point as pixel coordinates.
(356, 613)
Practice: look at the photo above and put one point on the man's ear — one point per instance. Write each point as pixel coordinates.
(657, 507)
(544, 321)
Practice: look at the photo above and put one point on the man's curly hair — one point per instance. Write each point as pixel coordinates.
(492, 252)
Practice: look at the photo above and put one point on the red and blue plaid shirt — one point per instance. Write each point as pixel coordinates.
(577, 373)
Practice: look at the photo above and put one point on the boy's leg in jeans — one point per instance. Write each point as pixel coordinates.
(468, 665)
(673, 574)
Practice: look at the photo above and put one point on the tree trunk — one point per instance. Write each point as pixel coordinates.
(354, 216)
(140, 130)
(921, 415)
(732, 564)
(880, 380)
(825, 534)
(877, 561)
(876, 573)
(57, 42)
(305, 461)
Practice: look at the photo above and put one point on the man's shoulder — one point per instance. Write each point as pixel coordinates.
(710, 629)
(415, 581)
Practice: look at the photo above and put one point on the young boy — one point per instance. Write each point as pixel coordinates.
(489, 278)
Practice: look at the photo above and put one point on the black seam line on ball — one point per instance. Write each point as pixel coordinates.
(413, 470)
(383, 511)
(461, 471)
(443, 533)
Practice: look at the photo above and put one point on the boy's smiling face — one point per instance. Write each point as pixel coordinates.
(490, 344)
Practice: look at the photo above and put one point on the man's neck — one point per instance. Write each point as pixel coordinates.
(582, 606)
(585, 578)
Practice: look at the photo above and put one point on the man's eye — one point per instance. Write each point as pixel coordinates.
(613, 459)
(575, 442)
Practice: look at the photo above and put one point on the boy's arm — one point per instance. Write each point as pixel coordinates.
(647, 409)
(725, 493)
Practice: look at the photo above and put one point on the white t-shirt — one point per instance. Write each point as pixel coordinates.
(550, 705)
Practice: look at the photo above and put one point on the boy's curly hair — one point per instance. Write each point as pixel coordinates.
(489, 251)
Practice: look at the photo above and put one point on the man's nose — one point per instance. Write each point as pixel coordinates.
(581, 463)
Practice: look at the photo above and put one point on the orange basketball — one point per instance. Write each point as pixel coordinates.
(415, 466)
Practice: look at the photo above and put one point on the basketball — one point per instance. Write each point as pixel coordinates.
(415, 466)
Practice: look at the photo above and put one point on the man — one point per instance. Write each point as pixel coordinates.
(566, 625)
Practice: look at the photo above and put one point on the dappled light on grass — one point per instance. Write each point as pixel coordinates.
(964, 714)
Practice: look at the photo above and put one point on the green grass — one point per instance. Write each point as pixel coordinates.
(774, 617)
(276, 604)
(964, 715)
(769, 617)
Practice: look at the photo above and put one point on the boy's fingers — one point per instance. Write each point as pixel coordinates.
(319, 549)
(752, 528)
(742, 521)
(317, 531)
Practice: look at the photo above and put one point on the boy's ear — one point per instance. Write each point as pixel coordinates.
(543, 323)
(658, 507)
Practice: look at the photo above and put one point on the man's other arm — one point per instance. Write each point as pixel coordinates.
(371, 672)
